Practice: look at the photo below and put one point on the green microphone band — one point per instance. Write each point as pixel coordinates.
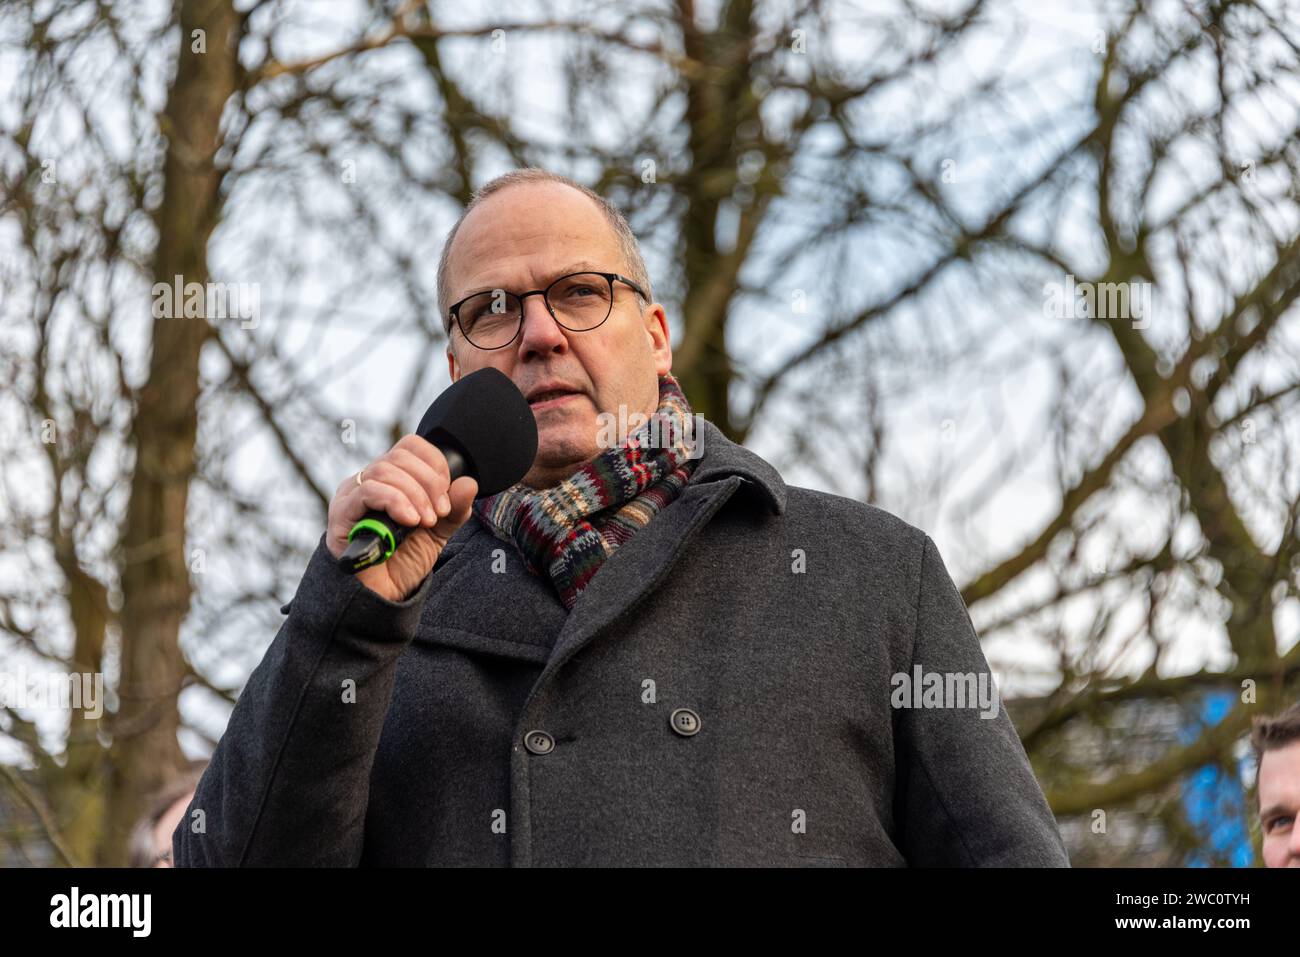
(380, 529)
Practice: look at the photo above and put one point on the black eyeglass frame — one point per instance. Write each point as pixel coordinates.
(609, 277)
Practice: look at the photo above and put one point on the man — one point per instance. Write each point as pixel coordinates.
(151, 839)
(647, 653)
(1277, 750)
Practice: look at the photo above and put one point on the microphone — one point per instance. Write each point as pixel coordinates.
(485, 428)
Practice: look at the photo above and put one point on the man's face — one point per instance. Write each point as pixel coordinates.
(1279, 802)
(166, 824)
(520, 239)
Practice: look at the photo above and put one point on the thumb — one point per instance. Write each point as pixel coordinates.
(462, 493)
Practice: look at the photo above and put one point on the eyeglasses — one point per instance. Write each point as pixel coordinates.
(579, 302)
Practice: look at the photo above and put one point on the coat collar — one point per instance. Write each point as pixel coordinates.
(723, 458)
(720, 458)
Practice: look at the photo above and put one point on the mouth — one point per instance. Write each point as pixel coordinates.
(550, 400)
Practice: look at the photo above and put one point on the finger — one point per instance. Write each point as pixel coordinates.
(431, 481)
(426, 452)
(350, 484)
(387, 472)
(371, 496)
(382, 497)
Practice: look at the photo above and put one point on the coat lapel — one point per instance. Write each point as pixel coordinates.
(517, 614)
(636, 568)
(511, 613)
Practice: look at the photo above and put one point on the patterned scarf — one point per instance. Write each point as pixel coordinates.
(570, 529)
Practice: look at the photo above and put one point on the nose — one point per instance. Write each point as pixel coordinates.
(541, 334)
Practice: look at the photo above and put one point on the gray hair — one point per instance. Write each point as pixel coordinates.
(627, 244)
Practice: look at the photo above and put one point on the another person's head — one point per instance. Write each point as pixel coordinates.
(521, 232)
(151, 840)
(1276, 742)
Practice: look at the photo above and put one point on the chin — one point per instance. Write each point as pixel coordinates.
(560, 444)
(556, 462)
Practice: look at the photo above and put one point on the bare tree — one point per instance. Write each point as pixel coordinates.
(853, 212)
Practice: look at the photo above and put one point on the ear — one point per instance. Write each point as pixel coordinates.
(656, 330)
(451, 364)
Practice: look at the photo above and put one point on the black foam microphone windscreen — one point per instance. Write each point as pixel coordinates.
(487, 420)
(485, 428)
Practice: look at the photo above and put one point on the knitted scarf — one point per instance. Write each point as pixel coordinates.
(570, 529)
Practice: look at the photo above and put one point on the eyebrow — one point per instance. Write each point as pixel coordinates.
(578, 266)
(1268, 812)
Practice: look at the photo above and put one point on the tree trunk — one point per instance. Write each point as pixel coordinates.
(155, 570)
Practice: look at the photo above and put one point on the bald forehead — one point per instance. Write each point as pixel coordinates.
(526, 231)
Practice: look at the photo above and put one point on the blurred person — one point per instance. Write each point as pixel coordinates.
(1276, 741)
(151, 839)
(645, 653)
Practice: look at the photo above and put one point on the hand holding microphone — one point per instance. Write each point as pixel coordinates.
(411, 484)
(389, 522)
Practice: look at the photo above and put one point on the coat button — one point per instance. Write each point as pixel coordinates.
(684, 721)
(539, 742)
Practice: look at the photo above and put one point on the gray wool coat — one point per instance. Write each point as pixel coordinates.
(723, 693)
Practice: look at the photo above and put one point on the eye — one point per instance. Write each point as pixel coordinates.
(1272, 823)
(475, 309)
(579, 290)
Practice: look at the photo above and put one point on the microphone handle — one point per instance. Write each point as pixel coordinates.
(376, 536)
